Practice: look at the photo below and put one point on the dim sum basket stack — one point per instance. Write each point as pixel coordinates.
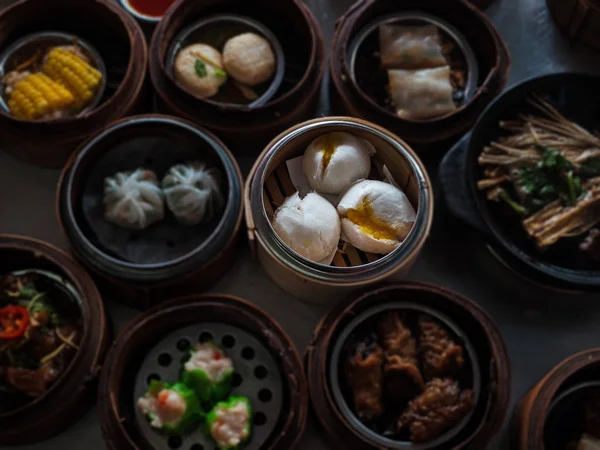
(579, 19)
(268, 371)
(269, 184)
(552, 413)
(358, 91)
(143, 267)
(73, 391)
(330, 360)
(245, 128)
(119, 42)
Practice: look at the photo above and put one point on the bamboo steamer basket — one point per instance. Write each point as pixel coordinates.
(269, 178)
(193, 258)
(579, 19)
(73, 393)
(109, 29)
(474, 323)
(242, 128)
(490, 51)
(263, 355)
(532, 410)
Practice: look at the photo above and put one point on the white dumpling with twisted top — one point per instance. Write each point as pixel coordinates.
(133, 199)
(192, 192)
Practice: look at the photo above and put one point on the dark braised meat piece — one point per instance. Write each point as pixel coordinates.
(591, 245)
(364, 378)
(441, 406)
(440, 356)
(592, 415)
(403, 379)
(31, 382)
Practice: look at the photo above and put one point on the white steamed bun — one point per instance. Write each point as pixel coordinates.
(376, 216)
(334, 161)
(309, 225)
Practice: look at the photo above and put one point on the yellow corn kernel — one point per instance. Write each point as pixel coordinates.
(74, 73)
(38, 95)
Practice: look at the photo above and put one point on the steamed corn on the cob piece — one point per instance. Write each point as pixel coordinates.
(38, 95)
(74, 73)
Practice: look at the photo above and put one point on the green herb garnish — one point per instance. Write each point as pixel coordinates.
(200, 67)
(550, 179)
(220, 73)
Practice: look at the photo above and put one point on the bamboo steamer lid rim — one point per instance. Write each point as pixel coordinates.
(545, 391)
(415, 240)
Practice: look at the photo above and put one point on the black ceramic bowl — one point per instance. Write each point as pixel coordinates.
(216, 31)
(365, 323)
(577, 96)
(363, 58)
(564, 423)
(26, 48)
(168, 248)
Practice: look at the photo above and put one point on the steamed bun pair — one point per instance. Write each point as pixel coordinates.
(135, 200)
(374, 216)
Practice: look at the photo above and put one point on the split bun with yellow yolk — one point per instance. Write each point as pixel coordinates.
(376, 216)
(334, 161)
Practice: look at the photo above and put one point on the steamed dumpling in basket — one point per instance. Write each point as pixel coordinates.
(193, 193)
(133, 199)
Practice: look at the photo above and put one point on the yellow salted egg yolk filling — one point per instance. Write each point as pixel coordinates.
(368, 223)
(328, 143)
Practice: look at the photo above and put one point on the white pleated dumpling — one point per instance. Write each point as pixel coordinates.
(133, 199)
(193, 193)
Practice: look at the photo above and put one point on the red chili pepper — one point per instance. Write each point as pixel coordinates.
(14, 321)
(217, 356)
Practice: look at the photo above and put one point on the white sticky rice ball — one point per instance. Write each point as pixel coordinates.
(309, 225)
(376, 216)
(334, 161)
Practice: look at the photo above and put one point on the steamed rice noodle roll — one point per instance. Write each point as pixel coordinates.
(208, 371)
(193, 193)
(229, 423)
(133, 199)
(376, 216)
(249, 59)
(171, 408)
(199, 69)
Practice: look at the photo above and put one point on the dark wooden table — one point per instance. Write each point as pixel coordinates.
(540, 327)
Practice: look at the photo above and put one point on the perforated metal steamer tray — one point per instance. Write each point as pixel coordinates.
(257, 376)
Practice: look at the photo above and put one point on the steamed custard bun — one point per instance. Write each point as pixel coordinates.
(376, 216)
(310, 226)
(334, 161)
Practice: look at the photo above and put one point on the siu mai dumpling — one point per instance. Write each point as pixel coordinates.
(410, 47)
(421, 94)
